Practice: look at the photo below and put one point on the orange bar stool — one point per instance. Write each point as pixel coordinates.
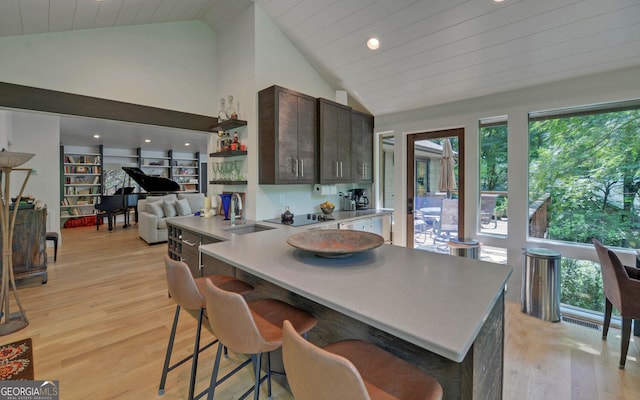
(187, 292)
(252, 328)
(351, 369)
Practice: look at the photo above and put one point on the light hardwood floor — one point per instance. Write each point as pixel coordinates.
(100, 327)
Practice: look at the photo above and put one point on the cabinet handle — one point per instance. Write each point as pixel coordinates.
(337, 169)
(341, 175)
(302, 168)
(185, 241)
(296, 167)
(364, 170)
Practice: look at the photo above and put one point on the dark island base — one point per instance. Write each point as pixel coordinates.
(479, 376)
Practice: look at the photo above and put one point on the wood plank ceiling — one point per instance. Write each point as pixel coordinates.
(432, 51)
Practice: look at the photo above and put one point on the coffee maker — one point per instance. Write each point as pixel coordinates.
(362, 201)
(348, 201)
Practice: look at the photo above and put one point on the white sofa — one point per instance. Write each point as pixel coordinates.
(154, 210)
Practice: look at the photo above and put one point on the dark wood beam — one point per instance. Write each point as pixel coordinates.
(32, 98)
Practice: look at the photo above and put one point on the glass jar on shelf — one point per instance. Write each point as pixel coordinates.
(222, 114)
(231, 110)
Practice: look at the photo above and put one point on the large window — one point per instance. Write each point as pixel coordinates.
(584, 182)
(584, 170)
(493, 214)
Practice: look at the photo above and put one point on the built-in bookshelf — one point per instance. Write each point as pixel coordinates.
(81, 181)
(155, 163)
(88, 173)
(185, 170)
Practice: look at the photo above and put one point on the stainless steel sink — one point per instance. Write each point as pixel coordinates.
(247, 228)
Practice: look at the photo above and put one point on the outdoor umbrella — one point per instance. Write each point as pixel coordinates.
(447, 174)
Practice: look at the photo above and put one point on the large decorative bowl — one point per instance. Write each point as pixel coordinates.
(335, 243)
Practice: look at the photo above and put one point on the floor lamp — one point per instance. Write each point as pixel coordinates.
(9, 322)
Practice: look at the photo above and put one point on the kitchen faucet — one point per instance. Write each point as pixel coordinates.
(236, 207)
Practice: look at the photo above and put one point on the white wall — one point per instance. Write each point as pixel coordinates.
(236, 77)
(39, 134)
(252, 55)
(6, 129)
(278, 62)
(619, 85)
(170, 65)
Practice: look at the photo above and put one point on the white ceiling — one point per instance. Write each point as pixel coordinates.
(125, 135)
(432, 51)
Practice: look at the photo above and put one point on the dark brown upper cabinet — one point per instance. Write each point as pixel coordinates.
(334, 142)
(361, 147)
(287, 136)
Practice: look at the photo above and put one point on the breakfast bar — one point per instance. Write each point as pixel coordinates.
(444, 314)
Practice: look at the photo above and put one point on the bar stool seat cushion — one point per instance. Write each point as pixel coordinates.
(386, 376)
(269, 314)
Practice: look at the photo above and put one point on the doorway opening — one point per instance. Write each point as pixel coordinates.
(435, 189)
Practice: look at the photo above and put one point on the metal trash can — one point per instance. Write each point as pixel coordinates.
(541, 283)
(469, 248)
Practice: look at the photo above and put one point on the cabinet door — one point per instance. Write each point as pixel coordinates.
(307, 138)
(335, 142)
(287, 137)
(190, 253)
(362, 147)
(213, 266)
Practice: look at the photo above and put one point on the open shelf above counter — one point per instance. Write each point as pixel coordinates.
(227, 182)
(228, 124)
(228, 153)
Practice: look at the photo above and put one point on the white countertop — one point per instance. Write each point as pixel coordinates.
(435, 301)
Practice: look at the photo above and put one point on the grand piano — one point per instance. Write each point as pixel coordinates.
(124, 200)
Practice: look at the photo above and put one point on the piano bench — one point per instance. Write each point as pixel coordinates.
(54, 237)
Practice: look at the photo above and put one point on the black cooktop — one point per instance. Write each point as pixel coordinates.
(301, 220)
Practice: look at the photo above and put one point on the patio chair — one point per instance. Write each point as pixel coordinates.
(488, 209)
(447, 225)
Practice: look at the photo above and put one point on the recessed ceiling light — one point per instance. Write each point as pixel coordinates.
(373, 43)
(96, 136)
(498, 1)
(147, 140)
(187, 144)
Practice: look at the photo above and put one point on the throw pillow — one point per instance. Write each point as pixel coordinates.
(169, 208)
(196, 200)
(182, 207)
(155, 208)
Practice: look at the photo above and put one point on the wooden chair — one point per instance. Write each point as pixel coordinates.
(252, 328)
(187, 292)
(622, 291)
(351, 369)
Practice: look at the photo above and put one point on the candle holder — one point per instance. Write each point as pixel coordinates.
(10, 322)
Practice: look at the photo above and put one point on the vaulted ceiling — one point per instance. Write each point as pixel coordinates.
(432, 51)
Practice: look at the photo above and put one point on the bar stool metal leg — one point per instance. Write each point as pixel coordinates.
(167, 357)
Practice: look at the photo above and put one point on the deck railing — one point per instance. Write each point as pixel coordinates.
(538, 216)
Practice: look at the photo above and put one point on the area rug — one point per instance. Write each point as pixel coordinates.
(16, 361)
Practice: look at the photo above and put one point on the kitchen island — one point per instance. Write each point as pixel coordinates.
(442, 313)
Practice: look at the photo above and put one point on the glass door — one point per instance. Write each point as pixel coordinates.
(435, 195)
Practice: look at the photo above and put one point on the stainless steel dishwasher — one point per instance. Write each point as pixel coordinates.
(380, 224)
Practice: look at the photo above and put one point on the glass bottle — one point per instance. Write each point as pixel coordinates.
(222, 114)
(231, 111)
